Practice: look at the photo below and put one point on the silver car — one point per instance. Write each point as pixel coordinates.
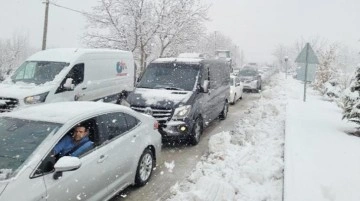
(251, 78)
(126, 145)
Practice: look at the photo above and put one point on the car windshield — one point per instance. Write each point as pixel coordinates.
(18, 139)
(247, 72)
(171, 76)
(38, 72)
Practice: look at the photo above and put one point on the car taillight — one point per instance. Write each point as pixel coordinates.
(156, 125)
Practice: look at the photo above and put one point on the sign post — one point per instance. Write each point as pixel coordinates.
(307, 56)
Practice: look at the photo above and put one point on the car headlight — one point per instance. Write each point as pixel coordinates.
(40, 98)
(182, 111)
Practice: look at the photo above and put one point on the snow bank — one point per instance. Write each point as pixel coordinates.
(245, 163)
(322, 162)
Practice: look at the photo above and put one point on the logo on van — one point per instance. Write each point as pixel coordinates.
(121, 68)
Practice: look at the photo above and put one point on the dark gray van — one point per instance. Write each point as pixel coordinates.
(183, 94)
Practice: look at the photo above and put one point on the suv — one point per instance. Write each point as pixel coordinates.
(251, 78)
(183, 94)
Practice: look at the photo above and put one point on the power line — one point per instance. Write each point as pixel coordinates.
(67, 8)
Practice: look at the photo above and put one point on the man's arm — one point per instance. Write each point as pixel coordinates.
(61, 145)
(83, 148)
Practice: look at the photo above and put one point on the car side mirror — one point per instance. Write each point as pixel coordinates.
(66, 163)
(68, 84)
(205, 86)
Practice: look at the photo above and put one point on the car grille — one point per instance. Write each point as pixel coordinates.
(162, 115)
(8, 104)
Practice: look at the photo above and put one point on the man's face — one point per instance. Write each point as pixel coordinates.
(79, 133)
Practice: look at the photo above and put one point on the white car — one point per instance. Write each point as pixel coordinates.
(236, 89)
(126, 145)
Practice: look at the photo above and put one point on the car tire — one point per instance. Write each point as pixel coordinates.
(224, 112)
(144, 168)
(241, 97)
(196, 132)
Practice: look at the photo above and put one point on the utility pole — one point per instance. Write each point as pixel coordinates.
(45, 24)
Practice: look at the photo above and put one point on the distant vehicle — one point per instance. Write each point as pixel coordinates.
(236, 71)
(251, 79)
(236, 89)
(183, 94)
(251, 65)
(126, 147)
(55, 75)
(225, 55)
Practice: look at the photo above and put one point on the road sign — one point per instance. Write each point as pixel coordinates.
(311, 57)
(307, 56)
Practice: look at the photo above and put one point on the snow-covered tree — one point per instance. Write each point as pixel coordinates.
(327, 69)
(182, 25)
(148, 28)
(351, 107)
(12, 53)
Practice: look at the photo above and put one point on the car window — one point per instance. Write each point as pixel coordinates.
(76, 73)
(131, 121)
(115, 124)
(80, 149)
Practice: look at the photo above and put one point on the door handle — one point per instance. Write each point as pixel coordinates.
(84, 88)
(102, 158)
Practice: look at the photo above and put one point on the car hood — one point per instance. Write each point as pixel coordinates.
(158, 97)
(20, 91)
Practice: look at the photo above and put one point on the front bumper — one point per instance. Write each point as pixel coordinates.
(176, 130)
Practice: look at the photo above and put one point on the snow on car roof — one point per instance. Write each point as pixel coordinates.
(65, 54)
(61, 112)
(191, 55)
(182, 60)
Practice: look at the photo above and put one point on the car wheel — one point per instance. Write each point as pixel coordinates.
(196, 132)
(145, 168)
(224, 112)
(241, 97)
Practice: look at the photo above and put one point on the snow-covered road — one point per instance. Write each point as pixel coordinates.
(179, 161)
(247, 162)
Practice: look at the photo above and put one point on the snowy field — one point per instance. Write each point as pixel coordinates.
(245, 163)
(322, 162)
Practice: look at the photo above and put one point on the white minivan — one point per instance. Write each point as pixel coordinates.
(56, 75)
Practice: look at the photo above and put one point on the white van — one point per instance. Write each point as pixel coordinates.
(69, 75)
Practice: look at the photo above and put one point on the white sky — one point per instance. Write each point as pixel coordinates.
(256, 26)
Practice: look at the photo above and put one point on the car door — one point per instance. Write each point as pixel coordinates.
(78, 93)
(238, 87)
(217, 95)
(205, 101)
(123, 149)
(88, 182)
